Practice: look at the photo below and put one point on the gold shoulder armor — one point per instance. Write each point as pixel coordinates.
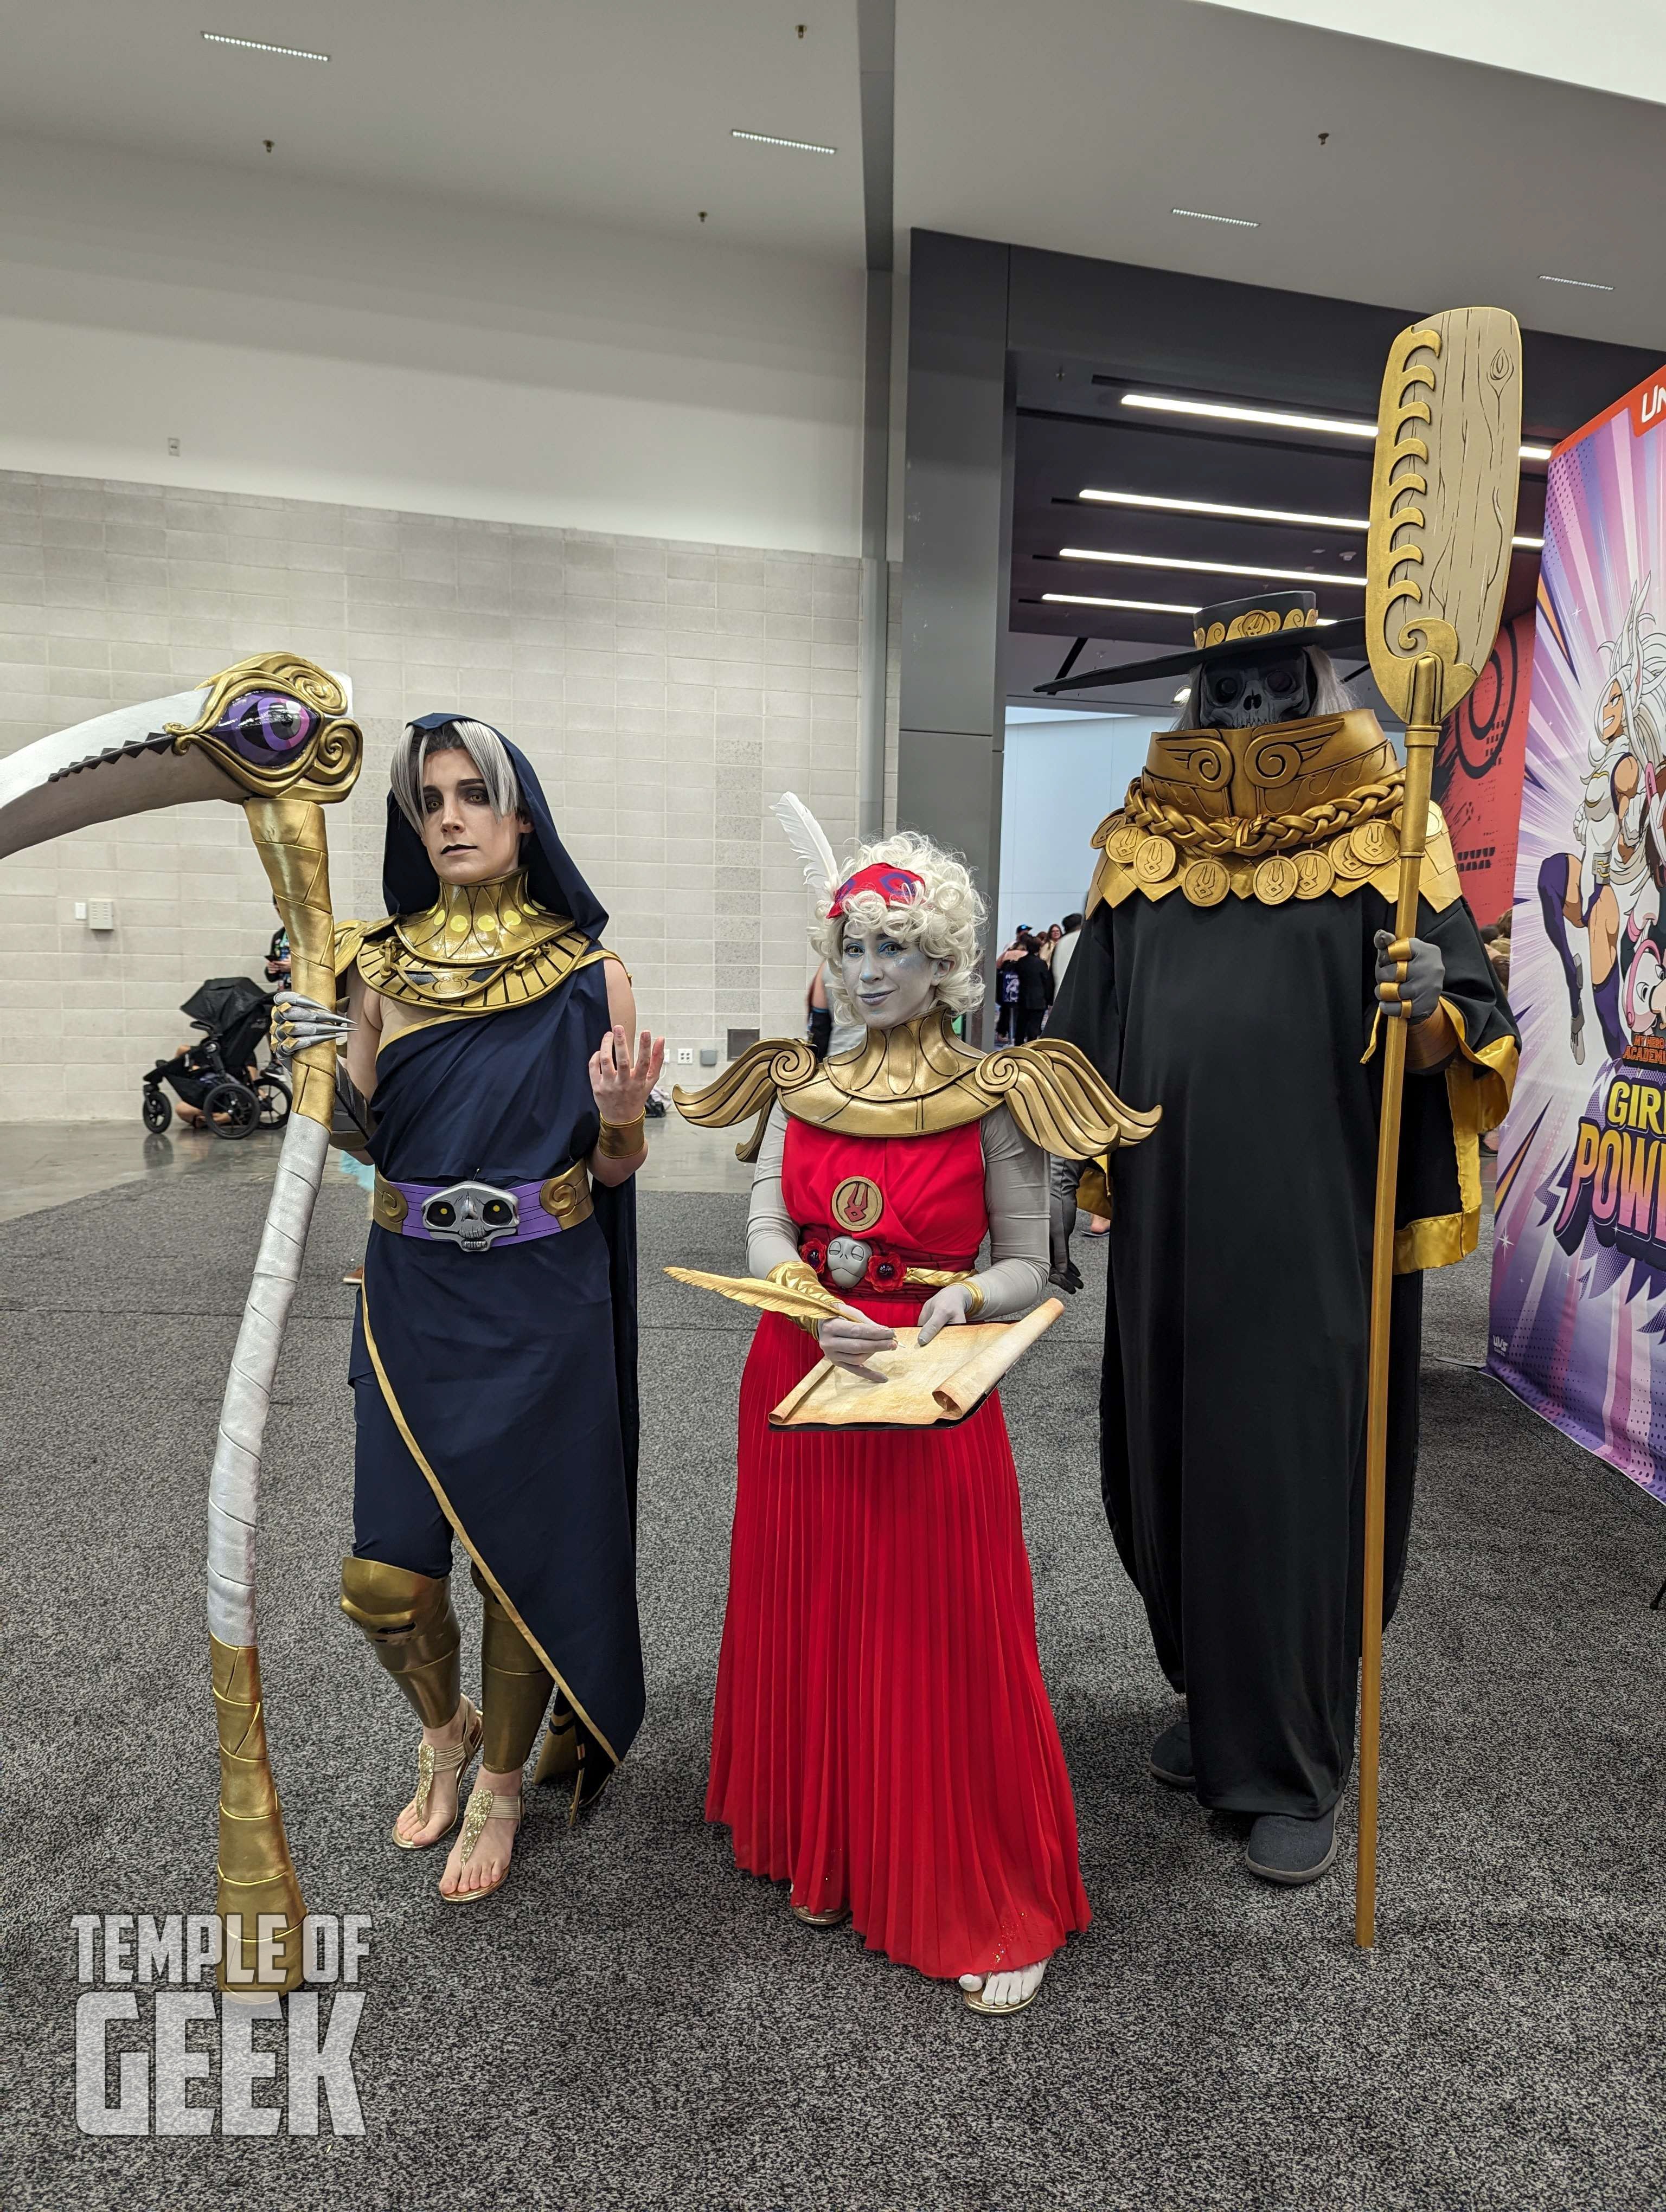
(1061, 1101)
(749, 1085)
(350, 936)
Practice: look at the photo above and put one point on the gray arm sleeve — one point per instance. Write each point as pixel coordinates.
(1015, 1193)
(772, 1234)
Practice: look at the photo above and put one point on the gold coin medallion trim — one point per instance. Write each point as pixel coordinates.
(1314, 875)
(1347, 862)
(1125, 842)
(1377, 843)
(1276, 880)
(1154, 862)
(1205, 883)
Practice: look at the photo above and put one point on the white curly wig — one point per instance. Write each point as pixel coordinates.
(944, 922)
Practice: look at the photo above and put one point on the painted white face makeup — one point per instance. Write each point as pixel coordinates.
(465, 840)
(887, 982)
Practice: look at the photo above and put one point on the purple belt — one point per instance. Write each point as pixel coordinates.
(476, 1215)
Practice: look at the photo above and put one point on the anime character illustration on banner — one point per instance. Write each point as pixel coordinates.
(1580, 1261)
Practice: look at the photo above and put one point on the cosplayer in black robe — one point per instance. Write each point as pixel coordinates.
(495, 1388)
(1239, 994)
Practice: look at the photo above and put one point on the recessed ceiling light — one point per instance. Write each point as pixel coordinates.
(1136, 606)
(1197, 214)
(260, 46)
(1210, 567)
(1579, 283)
(1333, 426)
(796, 145)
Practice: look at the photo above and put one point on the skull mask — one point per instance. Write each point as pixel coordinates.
(1245, 692)
(472, 1214)
(847, 1260)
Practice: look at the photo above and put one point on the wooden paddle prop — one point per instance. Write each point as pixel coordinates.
(1442, 508)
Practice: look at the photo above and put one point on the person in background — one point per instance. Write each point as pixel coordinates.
(1063, 947)
(1035, 990)
(278, 954)
(1006, 986)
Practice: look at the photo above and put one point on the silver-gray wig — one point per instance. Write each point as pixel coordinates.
(484, 747)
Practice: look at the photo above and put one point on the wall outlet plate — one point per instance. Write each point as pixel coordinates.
(685, 1056)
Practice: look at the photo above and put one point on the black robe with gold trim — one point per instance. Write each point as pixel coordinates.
(1241, 999)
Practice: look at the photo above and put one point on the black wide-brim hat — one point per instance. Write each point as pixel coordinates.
(1228, 628)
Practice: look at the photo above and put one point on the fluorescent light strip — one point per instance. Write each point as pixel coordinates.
(1332, 426)
(1215, 507)
(1244, 513)
(1579, 283)
(1136, 606)
(1197, 214)
(260, 46)
(1210, 567)
(796, 145)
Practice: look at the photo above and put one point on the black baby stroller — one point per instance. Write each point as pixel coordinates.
(221, 1077)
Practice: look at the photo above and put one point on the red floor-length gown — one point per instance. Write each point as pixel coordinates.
(883, 1738)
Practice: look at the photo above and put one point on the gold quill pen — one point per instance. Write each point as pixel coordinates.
(1442, 511)
(772, 1298)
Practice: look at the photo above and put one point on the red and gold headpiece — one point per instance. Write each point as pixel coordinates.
(895, 886)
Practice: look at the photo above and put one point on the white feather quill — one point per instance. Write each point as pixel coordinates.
(809, 840)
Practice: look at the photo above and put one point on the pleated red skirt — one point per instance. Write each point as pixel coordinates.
(883, 1738)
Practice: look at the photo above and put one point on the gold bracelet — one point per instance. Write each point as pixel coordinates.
(623, 1141)
(974, 1297)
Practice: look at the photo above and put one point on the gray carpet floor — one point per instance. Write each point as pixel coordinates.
(633, 2024)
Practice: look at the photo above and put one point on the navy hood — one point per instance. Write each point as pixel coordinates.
(410, 886)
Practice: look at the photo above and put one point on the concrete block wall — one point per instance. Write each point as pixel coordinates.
(665, 692)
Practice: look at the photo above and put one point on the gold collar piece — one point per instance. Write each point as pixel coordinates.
(1288, 810)
(918, 1079)
(481, 947)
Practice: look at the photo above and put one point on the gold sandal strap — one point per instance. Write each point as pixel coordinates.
(484, 1805)
(450, 1759)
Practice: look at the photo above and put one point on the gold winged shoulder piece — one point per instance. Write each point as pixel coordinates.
(917, 1080)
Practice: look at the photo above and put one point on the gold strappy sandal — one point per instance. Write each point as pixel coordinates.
(835, 1918)
(484, 1805)
(429, 1762)
(976, 2002)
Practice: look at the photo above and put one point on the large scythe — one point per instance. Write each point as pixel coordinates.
(270, 734)
(1442, 511)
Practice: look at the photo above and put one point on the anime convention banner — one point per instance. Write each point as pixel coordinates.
(1478, 773)
(1578, 1308)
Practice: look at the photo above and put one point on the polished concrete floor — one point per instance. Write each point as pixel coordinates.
(45, 1164)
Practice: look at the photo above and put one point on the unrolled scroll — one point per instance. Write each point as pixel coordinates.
(914, 1387)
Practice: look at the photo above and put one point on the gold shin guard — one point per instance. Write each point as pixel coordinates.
(515, 1685)
(413, 1631)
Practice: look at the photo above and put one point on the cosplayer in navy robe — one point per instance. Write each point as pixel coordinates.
(1236, 941)
(883, 1739)
(494, 1351)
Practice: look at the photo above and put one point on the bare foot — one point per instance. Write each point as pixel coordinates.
(489, 1861)
(1005, 1989)
(410, 1828)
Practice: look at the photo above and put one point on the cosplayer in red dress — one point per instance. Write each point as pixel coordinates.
(883, 1739)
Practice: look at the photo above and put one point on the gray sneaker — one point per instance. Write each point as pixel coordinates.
(1171, 1759)
(1289, 1851)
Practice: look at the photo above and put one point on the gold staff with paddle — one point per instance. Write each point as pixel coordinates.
(1442, 518)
